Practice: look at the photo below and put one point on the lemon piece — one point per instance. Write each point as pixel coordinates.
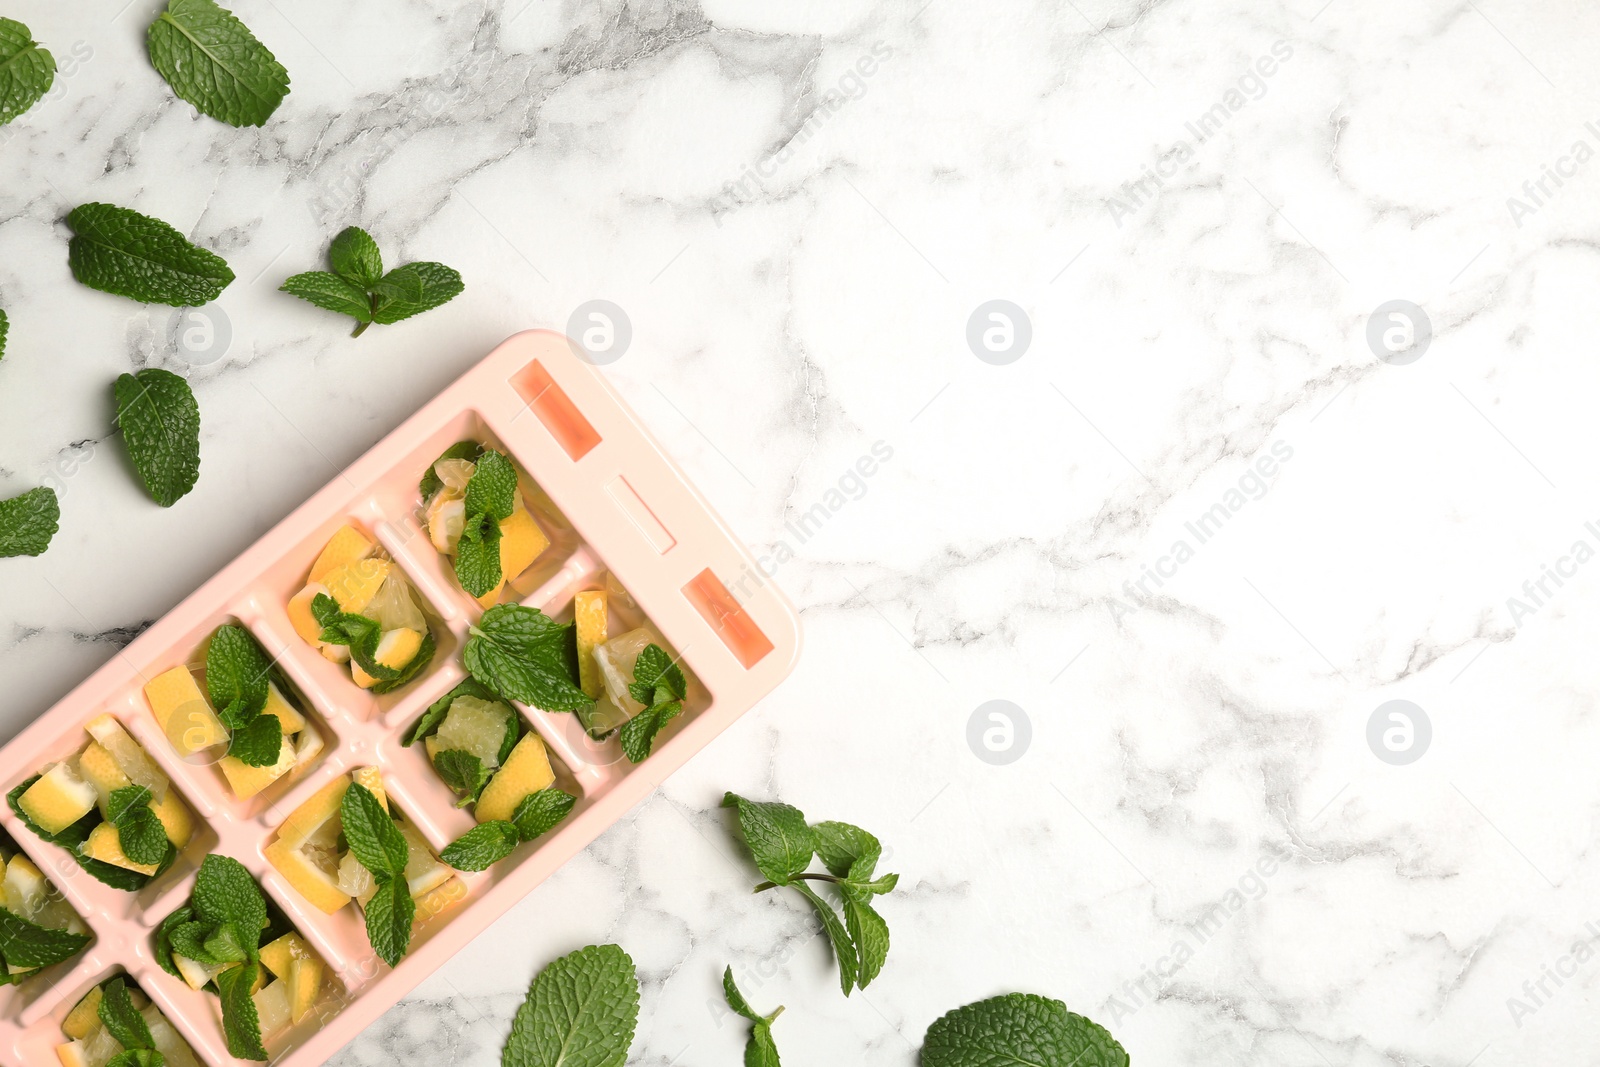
(395, 606)
(278, 705)
(131, 757)
(616, 658)
(355, 584)
(446, 518)
(279, 954)
(272, 1007)
(424, 870)
(197, 974)
(176, 818)
(307, 745)
(183, 712)
(346, 547)
(308, 879)
(310, 816)
(73, 1054)
(455, 473)
(25, 890)
(300, 615)
(58, 799)
(526, 772)
(167, 1041)
(105, 844)
(84, 1017)
(246, 781)
(354, 878)
(305, 982)
(102, 772)
(521, 542)
(397, 648)
(473, 725)
(589, 612)
(442, 897)
(372, 778)
(336, 653)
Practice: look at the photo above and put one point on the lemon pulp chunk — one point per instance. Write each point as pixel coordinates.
(473, 725)
(183, 712)
(84, 1016)
(345, 547)
(58, 799)
(446, 517)
(307, 877)
(615, 659)
(25, 889)
(589, 612)
(167, 1040)
(526, 772)
(395, 605)
(272, 1007)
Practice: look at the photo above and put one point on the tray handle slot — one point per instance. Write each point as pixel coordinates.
(572, 431)
(730, 621)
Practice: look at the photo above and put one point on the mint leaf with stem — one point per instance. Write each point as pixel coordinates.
(240, 1023)
(330, 292)
(224, 891)
(223, 945)
(478, 555)
(847, 850)
(870, 934)
(463, 772)
(780, 841)
(122, 1020)
(581, 1011)
(374, 838)
(844, 950)
(1019, 1028)
(760, 1050)
(522, 654)
(26, 71)
(354, 256)
(213, 61)
(655, 670)
(119, 251)
(539, 813)
(638, 735)
(482, 846)
(160, 423)
(26, 944)
(29, 522)
(390, 913)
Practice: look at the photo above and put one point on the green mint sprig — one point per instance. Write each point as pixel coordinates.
(119, 251)
(237, 673)
(582, 1009)
(160, 423)
(491, 497)
(358, 287)
(26, 70)
(760, 1050)
(122, 1020)
(521, 654)
(224, 922)
(29, 522)
(783, 844)
(381, 848)
(214, 62)
(488, 843)
(659, 684)
(1019, 1028)
(241, 1023)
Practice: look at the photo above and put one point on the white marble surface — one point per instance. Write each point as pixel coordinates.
(561, 152)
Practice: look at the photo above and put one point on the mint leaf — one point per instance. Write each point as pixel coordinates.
(137, 1057)
(373, 836)
(412, 289)
(390, 913)
(481, 847)
(144, 839)
(122, 1019)
(463, 772)
(331, 293)
(4, 322)
(847, 850)
(192, 939)
(225, 892)
(538, 813)
(1019, 1028)
(581, 1011)
(160, 424)
(870, 935)
(430, 483)
(838, 935)
(28, 945)
(237, 668)
(222, 945)
(478, 555)
(124, 253)
(655, 669)
(759, 1051)
(638, 734)
(434, 716)
(492, 489)
(780, 841)
(28, 522)
(163, 939)
(240, 1023)
(259, 742)
(354, 256)
(215, 63)
(26, 70)
(522, 654)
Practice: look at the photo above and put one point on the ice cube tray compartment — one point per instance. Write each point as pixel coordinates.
(573, 442)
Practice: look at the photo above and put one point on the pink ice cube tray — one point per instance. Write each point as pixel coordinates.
(610, 501)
